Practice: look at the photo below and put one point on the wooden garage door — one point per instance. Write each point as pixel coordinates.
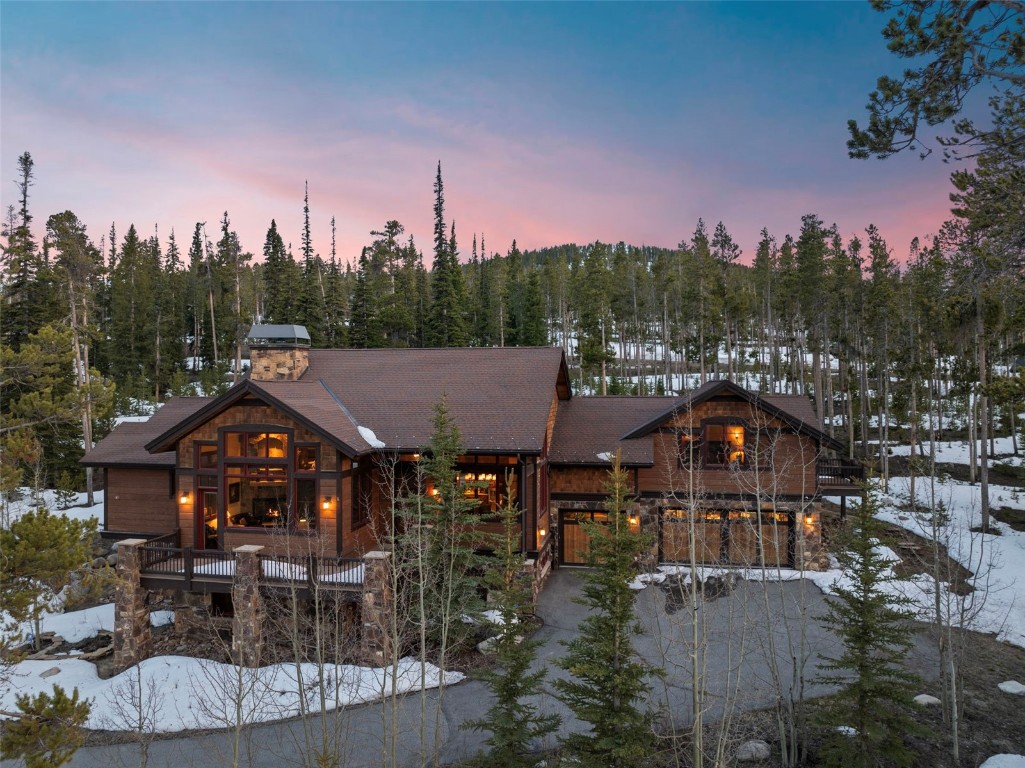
(734, 537)
(574, 543)
(676, 537)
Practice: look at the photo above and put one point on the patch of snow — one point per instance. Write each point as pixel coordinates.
(1004, 761)
(925, 700)
(847, 730)
(1012, 687)
(495, 617)
(198, 693)
(604, 456)
(25, 501)
(76, 626)
(368, 434)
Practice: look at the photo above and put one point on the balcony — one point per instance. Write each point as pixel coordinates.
(839, 476)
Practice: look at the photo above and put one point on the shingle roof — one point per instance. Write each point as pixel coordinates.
(124, 445)
(798, 406)
(588, 426)
(499, 398)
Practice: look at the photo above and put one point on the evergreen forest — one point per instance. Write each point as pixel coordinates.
(876, 334)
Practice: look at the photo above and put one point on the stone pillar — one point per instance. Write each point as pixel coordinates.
(132, 636)
(811, 552)
(378, 604)
(247, 628)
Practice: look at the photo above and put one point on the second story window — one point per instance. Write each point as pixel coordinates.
(725, 444)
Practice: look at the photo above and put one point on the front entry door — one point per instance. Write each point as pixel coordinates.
(574, 543)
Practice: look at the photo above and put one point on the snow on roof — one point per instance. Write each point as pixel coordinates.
(368, 434)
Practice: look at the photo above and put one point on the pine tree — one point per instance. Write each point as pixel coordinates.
(364, 329)
(873, 624)
(48, 731)
(515, 724)
(277, 301)
(25, 294)
(446, 318)
(609, 681)
(133, 312)
(311, 309)
(41, 550)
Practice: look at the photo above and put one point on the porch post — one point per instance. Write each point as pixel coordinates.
(377, 607)
(132, 636)
(247, 626)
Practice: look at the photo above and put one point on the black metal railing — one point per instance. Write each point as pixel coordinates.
(171, 540)
(831, 471)
(311, 570)
(161, 560)
(186, 564)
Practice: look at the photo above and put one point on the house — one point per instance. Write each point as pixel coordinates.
(309, 447)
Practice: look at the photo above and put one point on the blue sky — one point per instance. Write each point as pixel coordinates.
(554, 122)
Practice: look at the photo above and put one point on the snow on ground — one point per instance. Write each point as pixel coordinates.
(48, 499)
(197, 693)
(1004, 761)
(956, 452)
(997, 560)
(187, 693)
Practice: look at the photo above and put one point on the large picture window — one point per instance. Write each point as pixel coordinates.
(267, 482)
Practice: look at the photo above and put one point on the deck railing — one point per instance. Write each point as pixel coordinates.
(171, 540)
(311, 570)
(833, 471)
(185, 564)
(158, 559)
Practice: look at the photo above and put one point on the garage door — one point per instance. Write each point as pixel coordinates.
(733, 537)
(574, 543)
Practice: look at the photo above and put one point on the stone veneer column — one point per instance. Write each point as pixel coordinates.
(247, 628)
(811, 551)
(378, 604)
(132, 636)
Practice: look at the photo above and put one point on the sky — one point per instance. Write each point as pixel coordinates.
(553, 122)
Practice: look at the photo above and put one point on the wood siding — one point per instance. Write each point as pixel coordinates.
(140, 500)
(786, 463)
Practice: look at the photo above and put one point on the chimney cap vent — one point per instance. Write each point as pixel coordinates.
(278, 336)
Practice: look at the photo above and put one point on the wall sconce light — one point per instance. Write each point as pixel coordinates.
(633, 520)
(183, 497)
(541, 533)
(326, 503)
(809, 520)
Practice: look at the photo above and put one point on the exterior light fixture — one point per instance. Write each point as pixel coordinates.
(326, 503)
(183, 497)
(541, 532)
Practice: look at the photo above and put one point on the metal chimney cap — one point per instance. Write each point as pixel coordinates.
(278, 336)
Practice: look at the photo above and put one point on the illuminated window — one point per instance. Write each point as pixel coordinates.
(725, 445)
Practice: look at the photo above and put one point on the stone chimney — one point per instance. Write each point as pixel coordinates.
(278, 352)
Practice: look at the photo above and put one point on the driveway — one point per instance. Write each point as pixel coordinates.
(736, 632)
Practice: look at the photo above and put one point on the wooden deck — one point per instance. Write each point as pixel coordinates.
(192, 570)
